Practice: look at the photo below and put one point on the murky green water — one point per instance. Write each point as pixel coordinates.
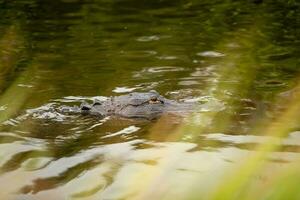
(236, 58)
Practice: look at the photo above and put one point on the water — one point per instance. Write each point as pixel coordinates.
(235, 58)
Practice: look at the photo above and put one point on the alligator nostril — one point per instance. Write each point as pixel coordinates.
(85, 108)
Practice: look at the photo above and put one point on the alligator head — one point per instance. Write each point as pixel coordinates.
(149, 105)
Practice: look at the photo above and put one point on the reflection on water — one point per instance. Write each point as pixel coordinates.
(120, 170)
(233, 58)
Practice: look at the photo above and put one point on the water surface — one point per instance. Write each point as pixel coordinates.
(237, 59)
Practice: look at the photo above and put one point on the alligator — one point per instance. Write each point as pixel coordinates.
(148, 105)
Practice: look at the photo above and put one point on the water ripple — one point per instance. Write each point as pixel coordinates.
(148, 38)
(127, 130)
(124, 89)
(212, 54)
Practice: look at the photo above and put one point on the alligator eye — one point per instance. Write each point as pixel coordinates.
(154, 100)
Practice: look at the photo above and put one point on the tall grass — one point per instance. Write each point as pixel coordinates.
(17, 89)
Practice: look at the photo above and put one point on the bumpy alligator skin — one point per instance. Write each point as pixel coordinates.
(149, 105)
